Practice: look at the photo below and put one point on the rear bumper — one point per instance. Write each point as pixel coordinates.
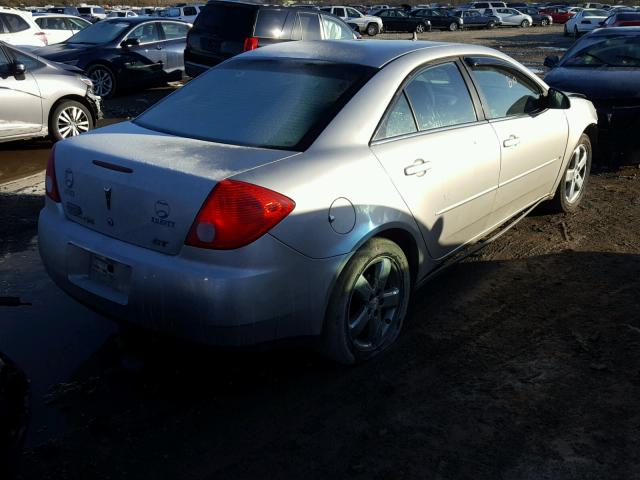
(262, 292)
(194, 69)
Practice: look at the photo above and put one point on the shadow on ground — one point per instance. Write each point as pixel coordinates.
(506, 369)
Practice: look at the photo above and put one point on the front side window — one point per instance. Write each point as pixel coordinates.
(440, 98)
(29, 62)
(146, 33)
(339, 12)
(353, 13)
(506, 92)
(334, 30)
(190, 11)
(77, 24)
(280, 104)
(4, 64)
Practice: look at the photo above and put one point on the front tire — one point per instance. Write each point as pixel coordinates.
(104, 80)
(372, 29)
(566, 31)
(574, 179)
(368, 304)
(544, 22)
(525, 24)
(576, 33)
(491, 25)
(421, 28)
(68, 119)
(453, 26)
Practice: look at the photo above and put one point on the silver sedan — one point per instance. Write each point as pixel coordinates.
(40, 98)
(289, 204)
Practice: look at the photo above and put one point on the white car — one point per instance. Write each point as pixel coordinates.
(585, 21)
(368, 24)
(186, 13)
(93, 13)
(18, 28)
(510, 17)
(121, 14)
(59, 27)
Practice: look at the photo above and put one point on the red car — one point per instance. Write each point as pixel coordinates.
(560, 14)
(623, 19)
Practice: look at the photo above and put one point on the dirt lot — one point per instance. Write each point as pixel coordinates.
(522, 362)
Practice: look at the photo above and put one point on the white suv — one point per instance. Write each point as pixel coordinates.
(18, 28)
(366, 23)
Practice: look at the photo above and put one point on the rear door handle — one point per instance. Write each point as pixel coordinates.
(512, 141)
(419, 168)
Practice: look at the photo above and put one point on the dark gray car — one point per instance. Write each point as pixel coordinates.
(40, 98)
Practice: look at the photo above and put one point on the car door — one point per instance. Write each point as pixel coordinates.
(532, 139)
(174, 35)
(20, 102)
(145, 62)
(443, 158)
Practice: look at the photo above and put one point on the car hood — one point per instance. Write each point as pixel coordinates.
(61, 52)
(597, 83)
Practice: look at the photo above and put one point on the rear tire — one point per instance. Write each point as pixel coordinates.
(368, 304)
(544, 22)
(372, 29)
(565, 31)
(575, 176)
(68, 119)
(421, 28)
(576, 33)
(453, 26)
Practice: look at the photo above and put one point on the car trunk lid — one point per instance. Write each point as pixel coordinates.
(144, 187)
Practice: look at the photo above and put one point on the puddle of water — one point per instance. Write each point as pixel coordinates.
(555, 49)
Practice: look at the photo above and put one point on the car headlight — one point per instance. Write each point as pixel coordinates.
(86, 81)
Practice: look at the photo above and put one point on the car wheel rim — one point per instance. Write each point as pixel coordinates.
(72, 121)
(576, 174)
(420, 29)
(102, 82)
(453, 26)
(374, 304)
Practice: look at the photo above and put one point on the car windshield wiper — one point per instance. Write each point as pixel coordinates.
(628, 58)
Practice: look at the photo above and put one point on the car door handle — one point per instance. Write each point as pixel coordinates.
(419, 168)
(158, 47)
(512, 141)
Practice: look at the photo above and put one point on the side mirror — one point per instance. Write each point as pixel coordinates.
(19, 69)
(552, 61)
(130, 42)
(557, 100)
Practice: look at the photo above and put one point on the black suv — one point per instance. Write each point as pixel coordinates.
(224, 29)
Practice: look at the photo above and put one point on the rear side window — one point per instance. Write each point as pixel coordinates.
(280, 104)
(190, 11)
(270, 23)
(174, 30)
(51, 23)
(398, 121)
(310, 26)
(226, 20)
(440, 98)
(14, 23)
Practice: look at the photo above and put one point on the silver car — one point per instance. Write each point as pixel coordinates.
(291, 205)
(40, 98)
(510, 17)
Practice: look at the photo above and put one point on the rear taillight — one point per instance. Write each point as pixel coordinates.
(237, 213)
(50, 182)
(250, 43)
(43, 37)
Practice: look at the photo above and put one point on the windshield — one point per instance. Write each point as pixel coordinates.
(604, 51)
(99, 33)
(280, 104)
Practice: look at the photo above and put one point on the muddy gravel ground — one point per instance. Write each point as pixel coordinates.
(522, 362)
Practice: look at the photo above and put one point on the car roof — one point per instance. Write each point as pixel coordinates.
(372, 53)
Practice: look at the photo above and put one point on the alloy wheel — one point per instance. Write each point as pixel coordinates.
(374, 304)
(102, 81)
(420, 28)
(453, 26)
(576, 174)
(72, 121)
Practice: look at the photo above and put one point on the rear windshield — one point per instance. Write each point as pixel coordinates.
(270, 23)
(280, 104)
(226, 20)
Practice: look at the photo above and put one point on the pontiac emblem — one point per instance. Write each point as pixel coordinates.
(107, 196)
